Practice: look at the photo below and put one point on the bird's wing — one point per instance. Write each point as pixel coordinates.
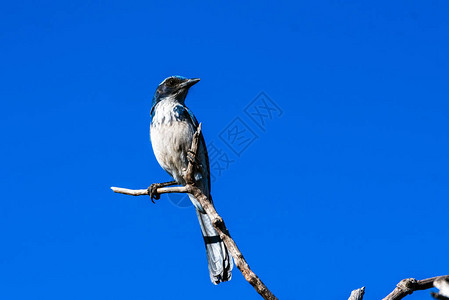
(185, 112)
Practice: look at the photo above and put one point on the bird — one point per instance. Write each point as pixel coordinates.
(172, 128)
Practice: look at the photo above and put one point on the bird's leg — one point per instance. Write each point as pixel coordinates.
(152, 189)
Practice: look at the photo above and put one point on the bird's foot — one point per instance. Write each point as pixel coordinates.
(152, 192)
(152, 189)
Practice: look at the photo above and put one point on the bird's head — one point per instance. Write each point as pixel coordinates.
(175, 87)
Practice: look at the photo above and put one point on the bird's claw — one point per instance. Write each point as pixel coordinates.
(152, 192)
(191, 157)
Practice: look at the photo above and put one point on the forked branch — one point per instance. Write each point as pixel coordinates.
(217, 221)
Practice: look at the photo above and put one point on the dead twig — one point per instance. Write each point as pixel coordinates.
(357, 294)
(163, 190)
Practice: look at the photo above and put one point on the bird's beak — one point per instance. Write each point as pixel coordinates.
(189, 82)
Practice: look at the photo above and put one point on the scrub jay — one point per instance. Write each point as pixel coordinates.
(171, 130)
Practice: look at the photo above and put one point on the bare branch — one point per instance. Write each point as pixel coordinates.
(165, 190)
(217, 221)
(408, 286)
(357, 294)
(240, 261)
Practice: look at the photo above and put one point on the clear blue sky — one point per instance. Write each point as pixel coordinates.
(347, 187)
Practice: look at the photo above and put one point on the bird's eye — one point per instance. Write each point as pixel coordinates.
(171, 82)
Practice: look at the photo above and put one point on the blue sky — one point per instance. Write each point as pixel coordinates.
(345, 185)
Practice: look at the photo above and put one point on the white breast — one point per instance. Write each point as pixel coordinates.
(171, 139)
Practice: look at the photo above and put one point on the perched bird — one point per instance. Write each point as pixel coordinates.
(172, 128)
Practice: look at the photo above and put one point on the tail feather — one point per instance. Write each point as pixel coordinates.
(218, 257)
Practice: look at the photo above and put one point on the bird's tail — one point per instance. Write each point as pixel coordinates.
(218, 257)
